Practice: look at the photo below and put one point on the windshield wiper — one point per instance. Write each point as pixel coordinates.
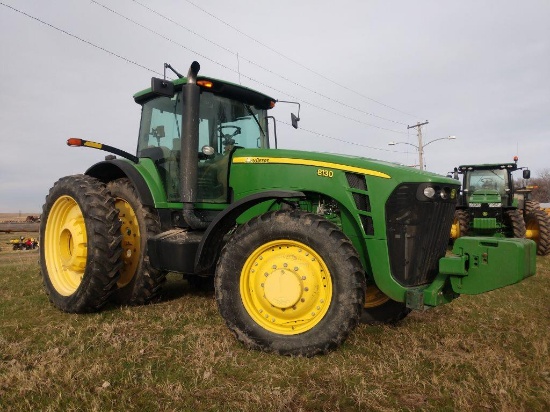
(249, 110)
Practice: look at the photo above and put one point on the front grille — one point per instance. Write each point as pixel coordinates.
(418, 232)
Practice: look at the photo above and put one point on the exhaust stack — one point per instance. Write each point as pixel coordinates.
(189, 148)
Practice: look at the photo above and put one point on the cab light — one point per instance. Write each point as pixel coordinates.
(205, 83)
(73, 141)
(271, 104)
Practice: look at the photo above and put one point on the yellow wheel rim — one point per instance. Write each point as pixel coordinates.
(286, 287)
(532, 230)
(131, 241)
(455, 229)
(374, 297)
(66, 245)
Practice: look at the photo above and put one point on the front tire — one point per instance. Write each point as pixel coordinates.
(290, 283)
(379, 309)
(515, 223)
(80, 244)
(139, 282)
(460, 224)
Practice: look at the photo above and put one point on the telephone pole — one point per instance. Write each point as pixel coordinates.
(419, 125)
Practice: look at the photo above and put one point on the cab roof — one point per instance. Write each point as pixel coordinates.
(489, 166)
(219, 87)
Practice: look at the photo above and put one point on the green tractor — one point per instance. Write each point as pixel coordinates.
(300, 246)
(489, 205)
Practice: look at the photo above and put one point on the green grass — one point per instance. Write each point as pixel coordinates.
(486, 352)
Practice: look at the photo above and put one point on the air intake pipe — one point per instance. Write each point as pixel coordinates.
(189, 148)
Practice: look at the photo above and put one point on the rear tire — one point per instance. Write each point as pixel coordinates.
(515, 223)
(139, 282)
(538, 229)
(80, 239)
(290, 283)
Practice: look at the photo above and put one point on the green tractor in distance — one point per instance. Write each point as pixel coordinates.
(301, 246)
(489, 205)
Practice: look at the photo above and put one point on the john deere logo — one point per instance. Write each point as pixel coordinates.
(453, 193)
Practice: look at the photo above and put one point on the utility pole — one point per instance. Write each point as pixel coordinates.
(419, 125)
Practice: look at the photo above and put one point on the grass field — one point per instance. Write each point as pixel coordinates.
(487, 352)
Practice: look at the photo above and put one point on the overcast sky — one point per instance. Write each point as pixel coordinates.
(362, 70)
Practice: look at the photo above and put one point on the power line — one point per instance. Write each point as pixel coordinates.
(342, 140)
(80, 39)
(243, 58)
(153, 71)
(296, 62)
(240, 74)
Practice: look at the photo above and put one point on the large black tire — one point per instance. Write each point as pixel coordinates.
(537, 223)
(461, 224)
(201, 283)
(380, 309)
(139, 282)
(531, 205)
(80, 244)
(515, 225)
(290, 283)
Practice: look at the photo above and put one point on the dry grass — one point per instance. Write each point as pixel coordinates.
(487, 352)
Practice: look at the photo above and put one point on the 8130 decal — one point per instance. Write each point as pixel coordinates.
(325, 173)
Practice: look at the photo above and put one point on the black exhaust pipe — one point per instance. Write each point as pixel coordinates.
(189, 148)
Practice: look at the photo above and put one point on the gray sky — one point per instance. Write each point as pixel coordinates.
(362, 70)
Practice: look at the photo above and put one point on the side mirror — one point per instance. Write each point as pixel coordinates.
(294, 119)
(526, 174)
(162, 87)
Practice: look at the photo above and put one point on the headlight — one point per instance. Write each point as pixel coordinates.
(429, 192)
(434, 192)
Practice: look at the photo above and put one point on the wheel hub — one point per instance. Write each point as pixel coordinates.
(283, 288)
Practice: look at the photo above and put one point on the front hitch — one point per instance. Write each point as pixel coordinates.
(477, 265)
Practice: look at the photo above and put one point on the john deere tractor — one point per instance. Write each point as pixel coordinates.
(490, 205)
(301, 246)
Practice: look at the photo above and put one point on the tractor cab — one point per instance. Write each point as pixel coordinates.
(487, 184)
(229, 117)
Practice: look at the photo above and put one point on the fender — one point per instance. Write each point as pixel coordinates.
(211, 242)
(109, 170)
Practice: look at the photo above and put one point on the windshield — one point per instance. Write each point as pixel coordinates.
(223, 124)
(496, 179)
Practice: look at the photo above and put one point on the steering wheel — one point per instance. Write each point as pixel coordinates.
(229, 126)
(487, 182)
(227, 139)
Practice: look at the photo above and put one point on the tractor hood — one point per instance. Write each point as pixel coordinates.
(485, 196)
(346, 163)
